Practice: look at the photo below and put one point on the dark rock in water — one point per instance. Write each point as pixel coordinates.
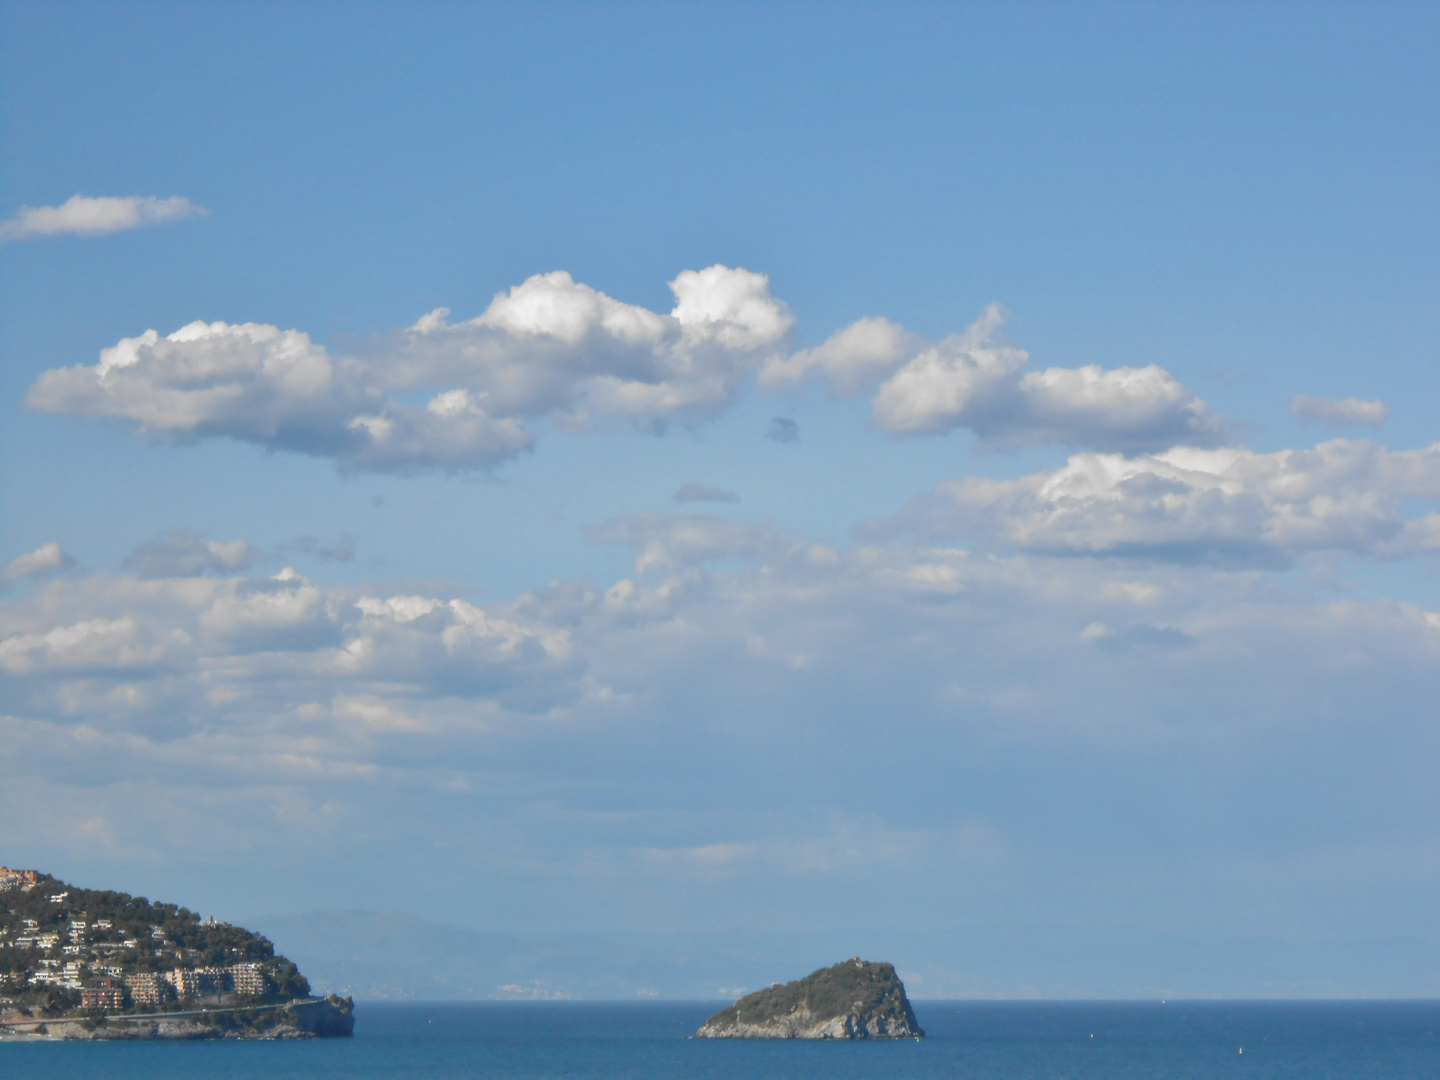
(852, 1000)
(327, 1017)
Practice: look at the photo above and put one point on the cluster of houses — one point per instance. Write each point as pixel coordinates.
(18, 879)
(31, 937)
(90, 967)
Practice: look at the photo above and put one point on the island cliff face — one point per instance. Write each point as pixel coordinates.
(852, 1000)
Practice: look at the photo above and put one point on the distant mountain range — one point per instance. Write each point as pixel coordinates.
(399, 957)
(394, 956)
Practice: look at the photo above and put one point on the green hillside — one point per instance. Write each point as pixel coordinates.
(57, 939)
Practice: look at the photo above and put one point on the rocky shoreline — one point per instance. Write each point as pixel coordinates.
(316, 1018)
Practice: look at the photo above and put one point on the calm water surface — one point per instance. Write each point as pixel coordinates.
(1010, 1041)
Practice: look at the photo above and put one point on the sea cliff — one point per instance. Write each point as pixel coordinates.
(855, 999)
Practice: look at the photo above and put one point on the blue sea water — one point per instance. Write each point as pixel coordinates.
(973, 1041)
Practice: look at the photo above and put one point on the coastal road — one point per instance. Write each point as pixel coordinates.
(109, 1017)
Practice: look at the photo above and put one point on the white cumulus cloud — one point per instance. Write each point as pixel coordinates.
(555, 345)
(90, 645)
(268, 614)
(248, 381)
(462, 396)
(1226, 505)
(974, 380)
(83, 215)
(855, 358)
(440, 395)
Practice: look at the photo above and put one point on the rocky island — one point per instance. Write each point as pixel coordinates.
(852, 1000)
(89, 964)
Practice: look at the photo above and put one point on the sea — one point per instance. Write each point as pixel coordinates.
(969, 1040)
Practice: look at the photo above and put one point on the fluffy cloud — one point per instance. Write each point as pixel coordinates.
(187, 639)
(747, 617)
(82, 215)
(1119, 408)
(464, 396)
(46, 559)
(1226, 505)
(723, 709)
(224, 644)
(972, 380)
(1332, 413)
(554, 345)
(284, 613)
(452, 432)
(85, 645)
(250, 382)
(549, 347)
(854, 359)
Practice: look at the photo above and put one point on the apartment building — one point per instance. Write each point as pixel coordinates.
(194, 982)
(248, 979)
(106, 993)
(147, 989)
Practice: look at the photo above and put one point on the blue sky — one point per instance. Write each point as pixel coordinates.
(1108, 612)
